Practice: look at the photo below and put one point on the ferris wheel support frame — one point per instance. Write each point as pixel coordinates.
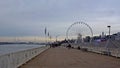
(79, 23)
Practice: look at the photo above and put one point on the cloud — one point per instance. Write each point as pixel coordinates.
(30, 17)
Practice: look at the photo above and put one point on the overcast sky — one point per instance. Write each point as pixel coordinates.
(30, 17)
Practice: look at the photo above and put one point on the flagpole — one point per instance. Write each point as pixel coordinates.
(45, 36)
(48, 38)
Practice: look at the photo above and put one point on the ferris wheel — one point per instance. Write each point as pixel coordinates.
(78, 31)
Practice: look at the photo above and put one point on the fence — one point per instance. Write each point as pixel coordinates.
(112, 49)
(16, 59)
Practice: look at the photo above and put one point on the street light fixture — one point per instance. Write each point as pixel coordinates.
(109, 30)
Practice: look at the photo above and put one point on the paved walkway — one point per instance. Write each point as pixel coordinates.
(71, 58)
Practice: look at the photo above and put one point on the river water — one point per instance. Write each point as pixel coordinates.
(5, 49)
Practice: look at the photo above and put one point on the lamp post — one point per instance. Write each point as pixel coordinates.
(50, 38)
(56, 37)
(108, 42)
(109, 30)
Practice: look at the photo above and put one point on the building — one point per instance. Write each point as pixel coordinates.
(79, 38)
(117, 36)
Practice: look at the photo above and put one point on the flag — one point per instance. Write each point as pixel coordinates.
(45, 30)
